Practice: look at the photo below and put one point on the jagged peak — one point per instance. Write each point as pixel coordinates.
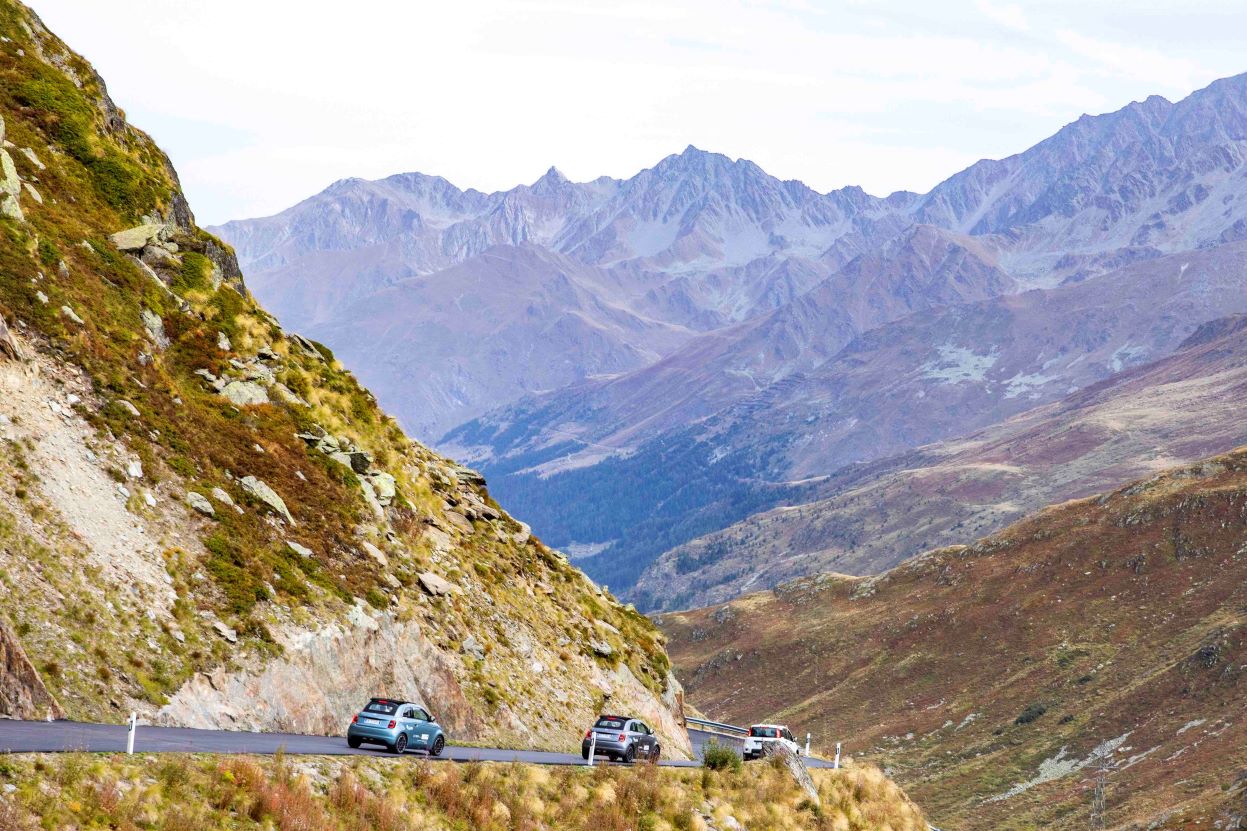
(552, 180)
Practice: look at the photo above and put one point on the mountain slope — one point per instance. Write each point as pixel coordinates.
(873, 516)
(928, 377)
(991, 679)
(507, 322)
(205, 518)
(921, 269)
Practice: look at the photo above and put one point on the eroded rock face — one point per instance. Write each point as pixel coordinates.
(22, 694)
(325, 674)
(323, 678)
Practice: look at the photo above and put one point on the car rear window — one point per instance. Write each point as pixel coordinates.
(385, 708)
(764, 732)
(610, 723)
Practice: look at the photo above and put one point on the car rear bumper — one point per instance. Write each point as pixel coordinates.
(368, 733)
(754, 751)
(605, 747)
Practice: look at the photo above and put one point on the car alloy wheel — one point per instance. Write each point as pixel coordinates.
(400, 744)
(352, 742)
(438, 744)
(629, 755)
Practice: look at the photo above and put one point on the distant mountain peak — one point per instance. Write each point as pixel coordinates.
(552, 175)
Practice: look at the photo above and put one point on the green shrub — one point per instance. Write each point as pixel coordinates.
(716, 756)
(194, 275)
(49, 254)
(1032, 712)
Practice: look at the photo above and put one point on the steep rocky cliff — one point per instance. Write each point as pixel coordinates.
(205, 518)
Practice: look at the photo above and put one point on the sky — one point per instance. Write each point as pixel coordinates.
(262, 103)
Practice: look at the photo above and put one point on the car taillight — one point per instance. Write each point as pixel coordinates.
(354, 719)
(589, 732)
(623, 736)
(392, 723)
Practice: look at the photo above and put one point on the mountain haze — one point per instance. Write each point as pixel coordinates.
(739, 339)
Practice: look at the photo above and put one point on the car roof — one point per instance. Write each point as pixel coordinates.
(621, 718)
(777, 726)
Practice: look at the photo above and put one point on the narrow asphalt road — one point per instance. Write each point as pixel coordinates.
(60, 736)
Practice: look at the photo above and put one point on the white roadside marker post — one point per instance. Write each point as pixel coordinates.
(836, 764)
(132, 725)
(807, 745)
(593, 746)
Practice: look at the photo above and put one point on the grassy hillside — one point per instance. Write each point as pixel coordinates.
(204, 517)
(992, 679)
(335, 794)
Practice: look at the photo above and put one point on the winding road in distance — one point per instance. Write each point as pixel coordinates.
(62, 736)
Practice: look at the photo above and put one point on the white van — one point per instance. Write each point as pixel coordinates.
(761, 735)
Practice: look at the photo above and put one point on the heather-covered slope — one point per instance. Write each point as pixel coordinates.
(205, 518)
(992, 679)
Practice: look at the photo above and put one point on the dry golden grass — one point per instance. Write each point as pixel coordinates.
(333, 794)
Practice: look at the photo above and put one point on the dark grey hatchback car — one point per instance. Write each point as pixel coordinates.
(621, 738)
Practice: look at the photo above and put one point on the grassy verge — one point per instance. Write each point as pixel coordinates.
(335, 794)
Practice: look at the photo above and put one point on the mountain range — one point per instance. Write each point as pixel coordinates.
(655, 359)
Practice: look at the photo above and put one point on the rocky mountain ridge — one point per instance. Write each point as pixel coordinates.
(206, 519)
(790, 333)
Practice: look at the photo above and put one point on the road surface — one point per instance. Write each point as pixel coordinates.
(61, 736)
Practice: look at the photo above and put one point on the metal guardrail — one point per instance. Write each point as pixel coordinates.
(717, 725)
(744, 731)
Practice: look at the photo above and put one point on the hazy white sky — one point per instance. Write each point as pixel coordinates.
(264, 102)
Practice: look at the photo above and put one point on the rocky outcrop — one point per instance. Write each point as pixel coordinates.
(200, 503)
(324, 676)
(10, 182)
(138, 238)
(325, 673)
(435, 585)
(22, 693)
(784, 756)
(261, 491)
(379, 488)
(9, 347)
(245, 393)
